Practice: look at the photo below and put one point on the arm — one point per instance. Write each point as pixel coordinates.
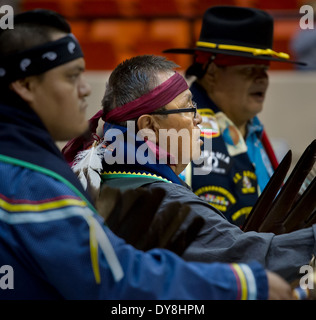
(54, 253)
(58, 252)
(52, 250)
(222, 241)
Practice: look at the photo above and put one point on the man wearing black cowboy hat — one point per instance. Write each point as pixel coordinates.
(53, 243)
(231, 60)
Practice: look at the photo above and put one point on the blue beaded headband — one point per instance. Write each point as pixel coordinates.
(39, 59)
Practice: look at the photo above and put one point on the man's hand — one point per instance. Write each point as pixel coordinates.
(279, 289)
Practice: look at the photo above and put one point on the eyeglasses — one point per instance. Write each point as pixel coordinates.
(170, 111)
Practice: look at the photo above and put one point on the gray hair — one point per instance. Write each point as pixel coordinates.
(133, 78)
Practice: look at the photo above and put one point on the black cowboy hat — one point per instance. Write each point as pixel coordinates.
(237, 31)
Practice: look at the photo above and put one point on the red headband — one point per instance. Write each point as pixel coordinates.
(227, 60)
(153, 100)
(147, 103)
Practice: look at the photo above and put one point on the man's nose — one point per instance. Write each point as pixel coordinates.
(198, 118)
(261, 73)
(84, 88)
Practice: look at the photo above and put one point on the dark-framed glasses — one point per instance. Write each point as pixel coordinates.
(170, 111)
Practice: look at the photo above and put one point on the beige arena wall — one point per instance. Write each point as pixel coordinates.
(289, 113)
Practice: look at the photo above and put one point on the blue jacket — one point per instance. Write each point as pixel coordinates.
(53, 244)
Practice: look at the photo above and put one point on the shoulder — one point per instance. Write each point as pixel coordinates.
(184, 195)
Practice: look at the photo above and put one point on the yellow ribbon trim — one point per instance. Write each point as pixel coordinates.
(132, 174)
(243, 211)
(254, 51)
(94, 250)
(243, 281)
(217, 189)
(40, 207)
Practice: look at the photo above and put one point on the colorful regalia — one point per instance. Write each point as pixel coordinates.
(237, 169)
(54, 245)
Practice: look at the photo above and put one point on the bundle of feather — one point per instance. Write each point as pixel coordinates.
(87, 166)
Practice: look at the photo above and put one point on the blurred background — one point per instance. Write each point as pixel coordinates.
(113, 30)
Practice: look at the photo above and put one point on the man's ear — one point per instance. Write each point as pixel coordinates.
(22, 87)
(210, 78)
(147, 122)
(211, 72)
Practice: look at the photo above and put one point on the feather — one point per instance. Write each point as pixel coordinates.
(87, 165)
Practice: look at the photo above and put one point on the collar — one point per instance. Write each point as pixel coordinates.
(126, 153)
(201, 97)
(254, 126)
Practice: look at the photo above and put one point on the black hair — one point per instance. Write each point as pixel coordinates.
(31, 28)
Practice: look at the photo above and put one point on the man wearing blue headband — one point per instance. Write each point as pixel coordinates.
(53, 243)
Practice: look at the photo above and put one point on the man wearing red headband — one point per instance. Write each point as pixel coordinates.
(231, 60)
(53, 243)
(145, 98)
